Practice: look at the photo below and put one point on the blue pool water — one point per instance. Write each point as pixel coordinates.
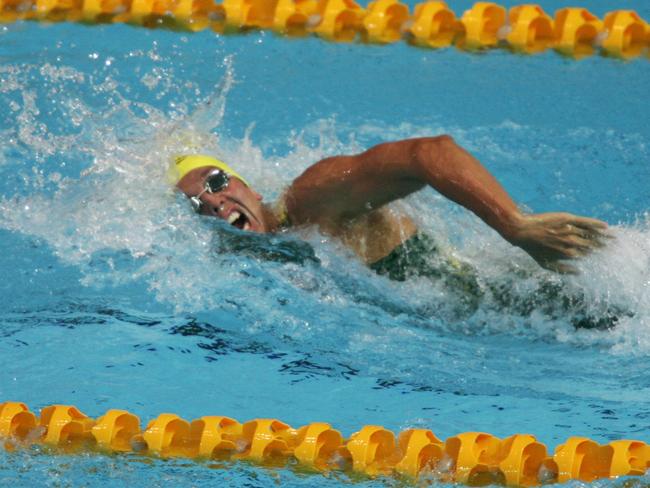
(113, 296)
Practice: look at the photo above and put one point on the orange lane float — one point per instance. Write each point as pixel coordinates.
(474, 458)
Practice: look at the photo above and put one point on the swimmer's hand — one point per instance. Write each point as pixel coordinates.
(550, 238)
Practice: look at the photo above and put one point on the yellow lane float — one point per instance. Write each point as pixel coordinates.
(338, 20)
(384, 20)
(293, 17)
(626, 34)
(527, 28)
(434, 25)
(474, 458)
(531, 29)
(576, 32)
(482, 23)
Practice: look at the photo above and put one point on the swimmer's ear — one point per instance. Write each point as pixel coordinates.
(257, 195)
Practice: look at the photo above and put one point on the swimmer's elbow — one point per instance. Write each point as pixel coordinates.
(431, 151)
(444, 145)
(444, 140)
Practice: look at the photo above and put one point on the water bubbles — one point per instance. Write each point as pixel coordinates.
(93, 56)
(108, 85)
(153, 53)
(150, 80)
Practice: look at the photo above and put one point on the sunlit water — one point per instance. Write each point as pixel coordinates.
(114, 295)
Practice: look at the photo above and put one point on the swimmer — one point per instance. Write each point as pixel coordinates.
(346, 197)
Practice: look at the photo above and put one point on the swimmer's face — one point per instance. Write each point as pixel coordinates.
(237, 204)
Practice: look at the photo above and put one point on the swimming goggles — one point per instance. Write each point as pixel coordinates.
(216, 181)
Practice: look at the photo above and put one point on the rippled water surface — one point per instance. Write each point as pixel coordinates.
(114, 295)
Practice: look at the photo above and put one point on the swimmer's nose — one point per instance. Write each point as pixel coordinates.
(216, 204)
(220, 210)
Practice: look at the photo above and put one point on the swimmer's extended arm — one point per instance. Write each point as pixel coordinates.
(341, 188)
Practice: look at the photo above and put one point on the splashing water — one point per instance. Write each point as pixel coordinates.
(84, 178)
(171, 307)
(91, 184)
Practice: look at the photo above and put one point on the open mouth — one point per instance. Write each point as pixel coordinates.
(239, 220)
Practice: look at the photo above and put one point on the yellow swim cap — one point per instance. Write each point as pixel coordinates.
(187, 162)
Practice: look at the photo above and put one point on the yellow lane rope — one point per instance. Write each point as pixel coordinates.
(574, 32)
(474, 458)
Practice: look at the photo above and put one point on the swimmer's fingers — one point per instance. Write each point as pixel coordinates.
(591, 228)
(556, 255)
(553, 238)
(566, 244)
(576, 251)
(598, 239)
(577, 245)
(582, 233)
(589, 240)
(588, 223)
